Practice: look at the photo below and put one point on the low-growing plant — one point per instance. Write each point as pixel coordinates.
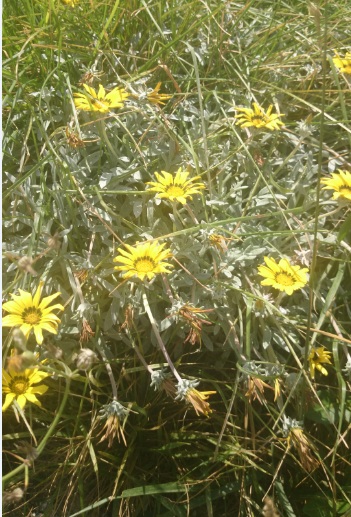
(177, 236)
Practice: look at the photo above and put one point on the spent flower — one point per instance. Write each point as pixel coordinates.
(143, 260)
(283, 276)
(158, 98)
(175, 187)
(161, 380)
(295, 436)
(28, 312)
(195, 318)
(186, 390)
(259, 118)
(19, 386)
(219, 241)
(115, 414)
(100, 100)
(340, 182)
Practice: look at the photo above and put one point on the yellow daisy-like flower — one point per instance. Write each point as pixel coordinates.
(157, 98)
(283, 276)
(317, 357)
(19, 386)
(257, 117)
(28, 312)
(175, 188)
(343, 63)
(100, 101)
(143, 260)
(341, 183)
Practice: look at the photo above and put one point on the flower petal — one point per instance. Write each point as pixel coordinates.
(8, 400)
(47, 300)
(21, 401)
(31, 398)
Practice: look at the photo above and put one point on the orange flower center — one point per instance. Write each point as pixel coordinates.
(19, 385)
(144, 265)
(32, 316)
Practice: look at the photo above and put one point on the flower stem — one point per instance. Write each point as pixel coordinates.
(108, 369)
(138, 353)
(159, 339)
(191, 213)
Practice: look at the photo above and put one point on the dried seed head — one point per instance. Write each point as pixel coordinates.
(25, 263)
(54, 242)
(86, 358)
(12, 497)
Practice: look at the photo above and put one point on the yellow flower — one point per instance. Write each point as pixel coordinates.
(19, 386)
(29, 313)
(100, 101)
(343, 64)
(341, 183)
(157, 98)
(175, 188)
(143, 260)
(71, 3)
(257, 117)
(283, 276)
(317, 357)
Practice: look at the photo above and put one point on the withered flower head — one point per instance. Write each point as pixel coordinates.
(219, 242)
(296, 437)
(256, 388)
(128, 318)
(158, 98)
(73, 139)
(86, 333)
(195, 318)
(161, 380)
(115, 414)
(253, 374)
(186, 390)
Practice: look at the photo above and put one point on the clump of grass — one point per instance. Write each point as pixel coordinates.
(177, 188)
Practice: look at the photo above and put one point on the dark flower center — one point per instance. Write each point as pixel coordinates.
(32, 315)
(19, 385)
